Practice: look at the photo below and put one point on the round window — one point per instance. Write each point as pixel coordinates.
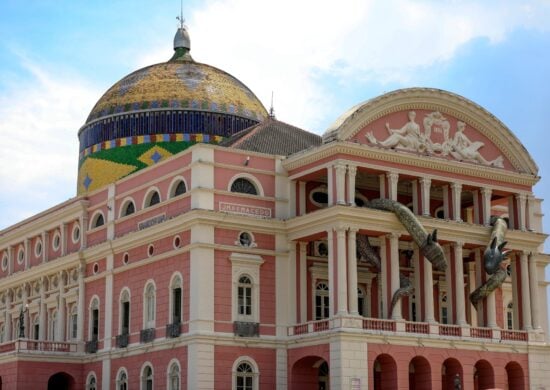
(56, 241)
(38, 248)
(4, 262)
(177, 242)
(20, 256)
(245, 239)
(96, 268)
(150, 250)
(125, 258)
(76, 233)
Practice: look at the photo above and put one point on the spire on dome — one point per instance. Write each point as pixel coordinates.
(182, 43)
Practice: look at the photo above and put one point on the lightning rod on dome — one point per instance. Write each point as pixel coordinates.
(271, 109)
(180, 18)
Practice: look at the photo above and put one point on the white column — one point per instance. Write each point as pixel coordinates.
(515, 289)
(352, 272)
(414, 189)
(511, 216)
(352, 173)
(42, 316)
(61, 323)
(330, 189)
(292, 201)
(7, 317)
(83, 221)
(302, 197)
(471, 288)
(428, 291)
(456, 196)
(45, 246)
(486, 197)
(531, 213)
(331, 292)
(459, 285)
(521, 201)
(11, 256)
(446, 207)
(475, 197)
(63, 230)
(448, 280)
(393, 179)
(303, 281)
(342, 272)
(109, 286)
(81, 301)
(533, 287)
(418, 282)
(382, 183)
(383, 278)
(525, 290)
(480, 271)
(27, 253)
(340, 183)
(394, 258)
(426, 184)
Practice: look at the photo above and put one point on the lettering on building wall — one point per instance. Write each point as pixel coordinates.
(151, 222)
(254, 211)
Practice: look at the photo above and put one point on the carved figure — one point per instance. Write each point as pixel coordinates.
(366, 253)
(464, 149)
(426, 242)
(408, 137)
(493, 257)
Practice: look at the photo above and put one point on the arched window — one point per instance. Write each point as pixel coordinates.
(122, 380)
(3, 337)
(244, 296)
(36, 328)
(128, 208)
(178, 188)
(91, 383)
(124, 312)
(510, 316)
(319, 196)
(174, 377)
(98, 220)
(440, 212)
(147, 378)
(152, 199)
(245, 375)
(176, 300)
(149, 306)
(321, 301)
(444, 315)
(94, 319)
(244, 186)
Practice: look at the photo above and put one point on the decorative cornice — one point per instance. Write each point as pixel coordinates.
(412, 160)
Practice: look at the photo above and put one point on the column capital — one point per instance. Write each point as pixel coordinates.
(425, 181)
(352, 169)
(392, 175)
(353, 230)
(521, 196)
(456, 186)
(458, 244)
(341, 229)
(486, 191)
(392, 235)
(340, 168)
(525, 253)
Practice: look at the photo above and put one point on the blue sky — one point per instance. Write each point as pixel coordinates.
(319, 58)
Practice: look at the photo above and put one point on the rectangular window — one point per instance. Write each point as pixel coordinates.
(245, 300)
(74, 326)
(125, 317)
(95, 324)
(444, 319)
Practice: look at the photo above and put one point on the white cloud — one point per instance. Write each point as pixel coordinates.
(283, 45)
(39, 119)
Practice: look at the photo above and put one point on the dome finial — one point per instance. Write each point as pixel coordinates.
(181, 39)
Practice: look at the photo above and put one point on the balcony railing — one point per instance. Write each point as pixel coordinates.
(449, 330)
(91, 346)
(147, 335)
(173, 330)
(403, 328)
(122, 340)
(376, 324)
(246, 329)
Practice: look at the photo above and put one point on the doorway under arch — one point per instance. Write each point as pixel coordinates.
(450, 368)
(420, 374)
(310, 373)
(61, 381)
(484, 376)
(515, 375)
(384, 372)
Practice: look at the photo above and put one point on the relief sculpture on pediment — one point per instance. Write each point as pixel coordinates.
(435, 139)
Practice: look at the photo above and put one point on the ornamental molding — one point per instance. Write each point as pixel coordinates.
(351, 149)
(442, 102)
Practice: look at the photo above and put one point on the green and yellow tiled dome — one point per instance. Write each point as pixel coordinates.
(160, 110)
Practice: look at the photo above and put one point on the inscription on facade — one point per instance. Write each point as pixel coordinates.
(254, 211)
(151, 222)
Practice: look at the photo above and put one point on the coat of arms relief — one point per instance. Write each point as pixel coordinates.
(435, 140)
